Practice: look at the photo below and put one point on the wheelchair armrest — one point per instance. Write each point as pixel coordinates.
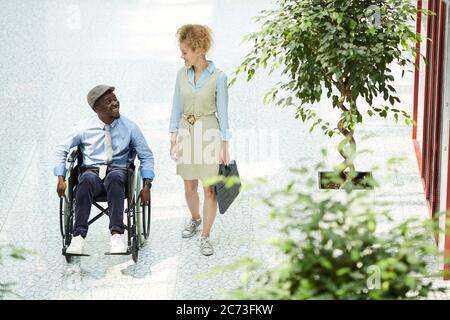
(131, 156)
(132, 171)
(73, 155)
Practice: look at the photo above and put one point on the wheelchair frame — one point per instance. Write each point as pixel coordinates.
(138, 217)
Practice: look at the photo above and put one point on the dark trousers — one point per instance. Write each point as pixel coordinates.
(90, 186)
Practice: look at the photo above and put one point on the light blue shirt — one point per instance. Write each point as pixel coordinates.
(221, 99)
(89, 134)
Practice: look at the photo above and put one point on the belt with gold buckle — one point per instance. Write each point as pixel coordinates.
(191, 119)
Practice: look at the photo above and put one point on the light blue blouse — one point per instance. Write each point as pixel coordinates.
(221, 99)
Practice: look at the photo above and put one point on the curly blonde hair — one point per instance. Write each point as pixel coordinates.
(195, 36)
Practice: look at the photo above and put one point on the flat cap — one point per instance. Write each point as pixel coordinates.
(97, 92)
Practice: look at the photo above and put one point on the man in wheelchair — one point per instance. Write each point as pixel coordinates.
(105, 141)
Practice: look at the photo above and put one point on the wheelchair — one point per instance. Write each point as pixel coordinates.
(138, 217)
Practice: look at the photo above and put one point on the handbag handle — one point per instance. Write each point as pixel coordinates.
(225, 168)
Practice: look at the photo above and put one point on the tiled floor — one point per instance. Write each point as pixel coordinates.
(56, 51)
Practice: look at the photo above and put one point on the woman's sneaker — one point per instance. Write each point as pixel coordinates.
(190, 229)
(206, 247)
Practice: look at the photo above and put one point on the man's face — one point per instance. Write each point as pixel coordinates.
(107, 106)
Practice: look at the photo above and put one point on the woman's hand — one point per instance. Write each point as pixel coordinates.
(224, 155)
(174, 152)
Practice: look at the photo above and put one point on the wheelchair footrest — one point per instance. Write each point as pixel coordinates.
(117, 254)
(76, 255)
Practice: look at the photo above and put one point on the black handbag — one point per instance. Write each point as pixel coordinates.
(226, 195)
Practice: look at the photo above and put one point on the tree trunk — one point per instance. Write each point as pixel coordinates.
(347, 146)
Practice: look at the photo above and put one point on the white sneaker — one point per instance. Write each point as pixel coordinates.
(191, 228)
(206, 247)
(76, 245)
(117, 244)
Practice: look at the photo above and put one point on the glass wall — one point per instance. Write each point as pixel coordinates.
(432, 112)
(429, 112)
(444, 163)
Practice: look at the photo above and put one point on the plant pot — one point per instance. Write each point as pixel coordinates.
(362, 193)
(362, 181)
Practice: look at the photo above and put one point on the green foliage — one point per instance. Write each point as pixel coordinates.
(343, 48)
(16, 253)
(333, 45)
(228, 181)
(329, 247)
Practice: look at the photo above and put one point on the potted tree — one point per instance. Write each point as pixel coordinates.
(342, 47)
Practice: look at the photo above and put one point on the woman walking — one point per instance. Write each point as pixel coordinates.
(199, 127)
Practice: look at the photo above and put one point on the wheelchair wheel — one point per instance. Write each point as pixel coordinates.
(66, 214)
(68, 257)
(146, 218)
(134, 249)
(143, 219)
(62, 217)
(139, 233)
(66, 221)
(139, 212)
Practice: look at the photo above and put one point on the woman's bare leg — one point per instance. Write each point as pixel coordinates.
(209, 210)
(191, 194)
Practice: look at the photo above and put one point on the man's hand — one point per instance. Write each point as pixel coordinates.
(61, 187)
(145, 195)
